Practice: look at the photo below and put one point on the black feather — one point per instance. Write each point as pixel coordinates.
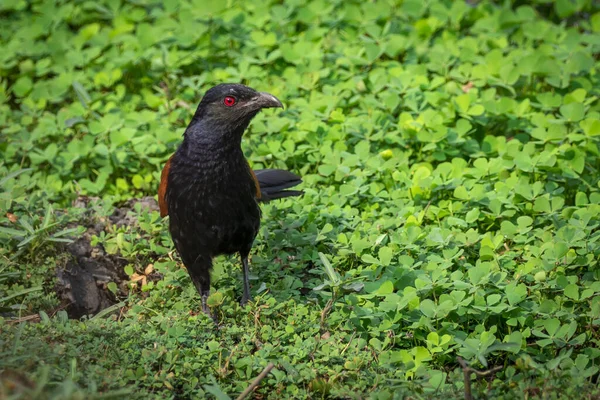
(273, 183)
(210, 190)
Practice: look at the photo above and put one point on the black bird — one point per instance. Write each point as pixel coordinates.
(210, 192)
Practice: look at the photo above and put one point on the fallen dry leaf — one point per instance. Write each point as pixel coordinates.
(468, 86)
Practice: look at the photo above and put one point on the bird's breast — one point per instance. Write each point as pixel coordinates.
(214, 209)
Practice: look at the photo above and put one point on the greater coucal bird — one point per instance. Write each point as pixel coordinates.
(210, 192)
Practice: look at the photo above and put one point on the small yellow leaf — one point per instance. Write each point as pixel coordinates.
(149, 269)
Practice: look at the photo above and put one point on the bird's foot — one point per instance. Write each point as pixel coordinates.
(211, 315)
(245, 300)
(206, 310)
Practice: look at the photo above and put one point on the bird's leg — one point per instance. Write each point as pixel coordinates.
(205, 308)
(203, 289)
(246, 297)
(200, 274)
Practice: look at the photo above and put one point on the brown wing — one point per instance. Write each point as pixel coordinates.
(162, 189)
(256, 184)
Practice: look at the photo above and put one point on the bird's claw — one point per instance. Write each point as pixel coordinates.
(245, 300)
(206, 310)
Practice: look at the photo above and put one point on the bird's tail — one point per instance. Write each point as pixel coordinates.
(273, 183)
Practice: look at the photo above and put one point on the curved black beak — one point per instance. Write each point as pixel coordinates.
(265, 100)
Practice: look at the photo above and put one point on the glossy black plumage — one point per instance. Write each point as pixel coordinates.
(273, 182)
(209, 190)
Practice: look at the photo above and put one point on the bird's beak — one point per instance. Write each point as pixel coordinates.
(265, 100)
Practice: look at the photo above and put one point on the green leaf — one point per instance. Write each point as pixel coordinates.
(515, 293)
(22, 86)
(216, 299)
(552, 326)
(591, 127)
(595, 22)
(386, 288)
(427, 307)
(11, 232)
(542, 205)
(82, 94)
(572, 291)
(565, 8)
(331, 273)
(112, 287)
(385, 255)
(463, 102)
(573, 112)
(560, 249)
(472, 215)
(19, 294)
(216, 391)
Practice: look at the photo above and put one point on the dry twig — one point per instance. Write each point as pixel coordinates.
(467, 375)
(256, 381)
(325, 312)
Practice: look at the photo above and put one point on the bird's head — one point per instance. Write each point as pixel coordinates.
(229, 107)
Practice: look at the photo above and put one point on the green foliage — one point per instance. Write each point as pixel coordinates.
(451, 165)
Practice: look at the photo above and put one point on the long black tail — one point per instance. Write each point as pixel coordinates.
(273, 183)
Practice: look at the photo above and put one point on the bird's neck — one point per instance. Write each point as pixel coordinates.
(210, 146)
(208, 142)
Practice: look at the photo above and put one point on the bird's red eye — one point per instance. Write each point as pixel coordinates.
(229, 101)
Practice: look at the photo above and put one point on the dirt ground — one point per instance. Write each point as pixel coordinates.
(82, 283)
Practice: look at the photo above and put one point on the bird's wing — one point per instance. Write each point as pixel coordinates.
(162, 189)
(270, 184)
(256, 184)
(273, 182)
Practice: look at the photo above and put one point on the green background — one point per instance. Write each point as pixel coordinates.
(450, 157)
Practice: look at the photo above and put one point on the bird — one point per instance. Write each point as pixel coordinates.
(208, 189)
